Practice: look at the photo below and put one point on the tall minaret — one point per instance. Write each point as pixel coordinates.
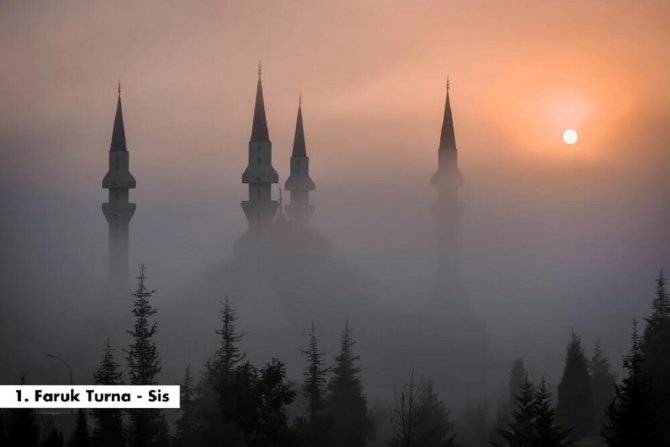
(118, 210)
(260, 175)
(299, 183)
(447, 210)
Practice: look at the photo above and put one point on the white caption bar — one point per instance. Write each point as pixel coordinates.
(89, 396)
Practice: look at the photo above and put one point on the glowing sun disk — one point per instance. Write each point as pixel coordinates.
(570, 136)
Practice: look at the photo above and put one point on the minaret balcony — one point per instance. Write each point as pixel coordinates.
(118, 180)
(299, 182)
(260, 174)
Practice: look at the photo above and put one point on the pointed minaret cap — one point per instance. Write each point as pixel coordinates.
(259, 128)
(447, 137)
(299, 148)
(119, 133)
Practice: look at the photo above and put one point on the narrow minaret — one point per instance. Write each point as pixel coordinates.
(447, 210)
(299, 183)
(118, 210)
(259, 175)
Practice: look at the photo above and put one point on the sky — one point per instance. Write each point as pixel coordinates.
(555, 236)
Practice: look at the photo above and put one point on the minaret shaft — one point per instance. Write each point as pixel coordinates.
(447, 211)
(259, 174)
(118, 210)
(299, 183)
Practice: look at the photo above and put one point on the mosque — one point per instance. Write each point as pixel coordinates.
(282, 275)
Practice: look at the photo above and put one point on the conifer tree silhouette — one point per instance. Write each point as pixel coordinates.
(346, 406)
(575, 398)
(521, 431)
(630, 417)
(602, 384)
(108, 430)
(187, 423)
(144, 364)
(312, 428)
(518, 376)
(228, 355)
(656, 351)
(216, 391)
(548, 433)
(534, 421)
(315, 376)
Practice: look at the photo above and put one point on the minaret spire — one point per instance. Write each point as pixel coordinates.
(299, 149)
(259, 128)
(119, 132)
(447, 137)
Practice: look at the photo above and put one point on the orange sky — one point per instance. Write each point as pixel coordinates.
(372, 75)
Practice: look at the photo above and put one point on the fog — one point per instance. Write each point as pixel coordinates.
(553, 237)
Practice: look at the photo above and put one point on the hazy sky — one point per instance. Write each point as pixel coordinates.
(576, 232)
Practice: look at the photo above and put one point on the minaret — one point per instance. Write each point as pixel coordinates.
(118, 210)
(259, 175)
(447, 210)
(299, 183)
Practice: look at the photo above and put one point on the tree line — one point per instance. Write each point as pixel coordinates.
(590, 402)
(234, 403)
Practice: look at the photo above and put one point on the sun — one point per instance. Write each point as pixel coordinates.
(570, 136)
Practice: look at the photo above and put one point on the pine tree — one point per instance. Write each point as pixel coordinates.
(602, 384)
(548, 432)
(187, 422)
(575, 398)
(229, 355)
(108, 431)
(217, 390)
(315, 377)
(144, 364)
(435, 428)
(55, 439)
(521, 431)
(518, 376)
(656, 351)
(143, 360)
(23, 431)
(630, 417)
(346, 406)
(534, 421)
(660, 306)
(312, 428)
(272, 393)
(80, 436)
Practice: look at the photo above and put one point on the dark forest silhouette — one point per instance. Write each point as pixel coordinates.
(236, 403)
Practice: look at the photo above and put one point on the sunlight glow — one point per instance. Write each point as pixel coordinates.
(570, 136)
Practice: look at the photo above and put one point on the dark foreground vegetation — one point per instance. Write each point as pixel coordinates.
(235, 403)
